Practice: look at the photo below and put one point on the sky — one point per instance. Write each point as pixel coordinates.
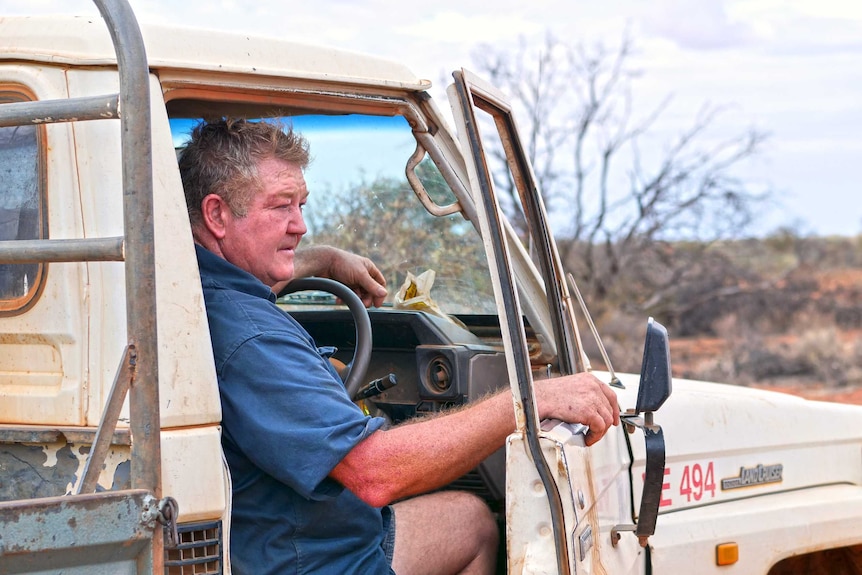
(789, 68)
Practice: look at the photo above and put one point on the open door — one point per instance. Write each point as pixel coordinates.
(562, 498)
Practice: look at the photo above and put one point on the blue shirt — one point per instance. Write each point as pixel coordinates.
(286, 423)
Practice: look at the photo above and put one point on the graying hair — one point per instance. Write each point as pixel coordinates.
(222, 158)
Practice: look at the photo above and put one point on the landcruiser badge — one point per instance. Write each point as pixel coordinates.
(750, 476)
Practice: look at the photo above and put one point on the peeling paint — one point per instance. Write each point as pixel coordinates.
(82, 461)
(50, 450)
(109, 476)
(33, 470)
(113, 460)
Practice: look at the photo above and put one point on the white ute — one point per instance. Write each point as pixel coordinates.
(110, 453)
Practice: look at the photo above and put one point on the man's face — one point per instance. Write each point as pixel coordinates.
(263, 241)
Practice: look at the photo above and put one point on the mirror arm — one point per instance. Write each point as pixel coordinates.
(653, 479)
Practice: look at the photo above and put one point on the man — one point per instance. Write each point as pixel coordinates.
(313, 477)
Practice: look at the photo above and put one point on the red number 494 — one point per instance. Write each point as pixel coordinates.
(696, 483)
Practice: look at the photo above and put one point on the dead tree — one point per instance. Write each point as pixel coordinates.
(626, 197)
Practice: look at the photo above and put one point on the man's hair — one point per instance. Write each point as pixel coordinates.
(222, 158)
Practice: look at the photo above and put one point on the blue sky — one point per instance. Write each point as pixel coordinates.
(791, 68)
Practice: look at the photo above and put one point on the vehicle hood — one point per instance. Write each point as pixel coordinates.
(727, 442)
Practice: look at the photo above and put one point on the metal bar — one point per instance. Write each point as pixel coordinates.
(53, 111)
(74, 250)
(419, 188)
(136, 139)
(110, 415)
(653, 481)
(84, 535)
(137, 148)
(44, 434)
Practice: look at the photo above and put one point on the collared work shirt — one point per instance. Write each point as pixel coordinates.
(287, 422)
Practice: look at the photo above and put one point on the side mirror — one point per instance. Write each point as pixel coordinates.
(655, 385)
(655, 388)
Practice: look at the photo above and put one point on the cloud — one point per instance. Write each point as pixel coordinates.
(450, 26)
(697, 25)
(803, 27)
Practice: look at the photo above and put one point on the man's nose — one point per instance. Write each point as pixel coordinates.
(297, 226)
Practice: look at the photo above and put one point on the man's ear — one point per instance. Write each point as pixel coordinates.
(214, 212)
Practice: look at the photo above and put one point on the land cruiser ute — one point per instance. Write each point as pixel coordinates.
(110, 454)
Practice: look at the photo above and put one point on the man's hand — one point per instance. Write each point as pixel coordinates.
(579, 398)
(356, 272)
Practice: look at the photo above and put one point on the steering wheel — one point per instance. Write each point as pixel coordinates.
(362, 353)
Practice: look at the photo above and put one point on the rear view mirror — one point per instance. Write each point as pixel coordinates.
(655, 384)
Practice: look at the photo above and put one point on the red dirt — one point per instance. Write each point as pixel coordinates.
(689, 353)
(838, 395)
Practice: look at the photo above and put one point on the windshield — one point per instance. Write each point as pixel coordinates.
(361, 201)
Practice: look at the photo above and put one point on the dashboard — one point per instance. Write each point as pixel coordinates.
(438, 363)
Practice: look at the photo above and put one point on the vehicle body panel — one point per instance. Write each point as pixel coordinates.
(188, 389)
(41, 369)
(815, 443)
(766, 528)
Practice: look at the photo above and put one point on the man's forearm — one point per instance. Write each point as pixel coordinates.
(430, 453)
(427, 454)
(356, 272)
(313, 261)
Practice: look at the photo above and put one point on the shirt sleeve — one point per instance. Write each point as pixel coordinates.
(287, 410)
